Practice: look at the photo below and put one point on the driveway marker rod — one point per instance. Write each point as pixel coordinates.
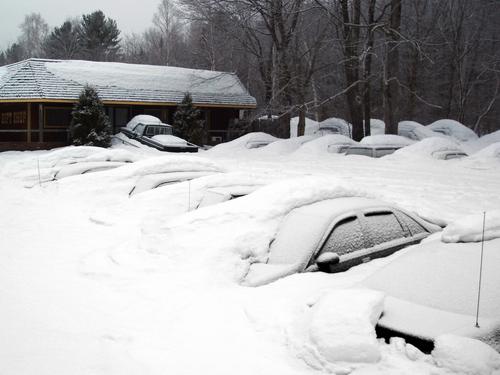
(480, 272)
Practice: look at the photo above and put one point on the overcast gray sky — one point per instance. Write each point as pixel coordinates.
(131, 15)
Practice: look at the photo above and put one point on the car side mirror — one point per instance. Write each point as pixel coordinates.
(326, 260)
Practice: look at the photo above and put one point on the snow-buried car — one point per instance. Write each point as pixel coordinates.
(150, 131)
(336, 234)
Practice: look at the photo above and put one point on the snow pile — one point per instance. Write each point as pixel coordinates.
(311, 126)
(415, 131)
(334, 125)
(465, 356)
(326, 143)
(483, 142)
(453, 129)
(377, 127)
(386, 140)
(166, 139)
(168, 164)
(243, 142)
(426, 147)
(286, 146)
(490, 152)
(470, 228)
(342, 326)
(143, 119)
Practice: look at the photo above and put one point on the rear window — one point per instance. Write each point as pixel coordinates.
(383, 227)
(359, 151)
(158, 130)
(346, 237)
(379, 152)
(455, 155)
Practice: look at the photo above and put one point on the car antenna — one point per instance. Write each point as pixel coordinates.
(480, 271)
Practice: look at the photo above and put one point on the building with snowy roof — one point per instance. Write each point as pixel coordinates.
(37, 96)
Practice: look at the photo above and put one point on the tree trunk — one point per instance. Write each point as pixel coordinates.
(391, 85)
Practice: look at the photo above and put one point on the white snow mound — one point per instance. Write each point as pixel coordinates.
(490, 152)
(462, 355)
(416, 131)
(426, 147)
(324, 144)
(286, 146)
(453, 129)
(470, 228)
(342, 325)
(386, 140)
(242, 142)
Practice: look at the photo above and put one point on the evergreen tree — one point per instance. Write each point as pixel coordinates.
(98, 37)
(62, 42)
(187, 121)
(89, 124)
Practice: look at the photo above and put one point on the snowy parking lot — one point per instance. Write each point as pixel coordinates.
(96, 281)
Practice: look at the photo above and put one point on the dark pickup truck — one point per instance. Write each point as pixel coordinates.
(144, 133)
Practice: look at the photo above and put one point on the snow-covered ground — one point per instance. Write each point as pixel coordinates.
(93, 281)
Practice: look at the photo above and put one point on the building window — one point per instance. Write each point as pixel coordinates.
(7, 118)
(57, 117)
(19, 118)
(121, 117)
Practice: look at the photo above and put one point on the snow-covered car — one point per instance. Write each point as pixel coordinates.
(334, 125)
(376, 146)
(371, 151)
(448, 154)
(414, 130)
(336, 234)
(156, 180)
(224, 194)
(453, 129)
(85, 167)
(150, 131)
(432, 289)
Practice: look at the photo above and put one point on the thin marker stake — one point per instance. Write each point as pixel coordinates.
(189, 195)
(480, 272)
(38, 167)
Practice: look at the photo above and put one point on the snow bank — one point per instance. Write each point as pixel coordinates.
(426, 147)
(326, 143)
(454, 129)
(484, 141)
(342, 326)
(311, 126)
(465, 356)
(386, 140)
(489, 152)
(335, 125)
(243, 142)
(143, 119)
(470, 228)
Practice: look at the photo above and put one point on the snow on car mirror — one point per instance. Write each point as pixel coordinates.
(327, 259)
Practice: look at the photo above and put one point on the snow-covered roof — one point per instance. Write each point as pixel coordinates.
(120, 82)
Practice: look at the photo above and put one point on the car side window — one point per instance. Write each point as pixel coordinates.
(346, 237)
(414, 227)
(384, 151)
(383, 227)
